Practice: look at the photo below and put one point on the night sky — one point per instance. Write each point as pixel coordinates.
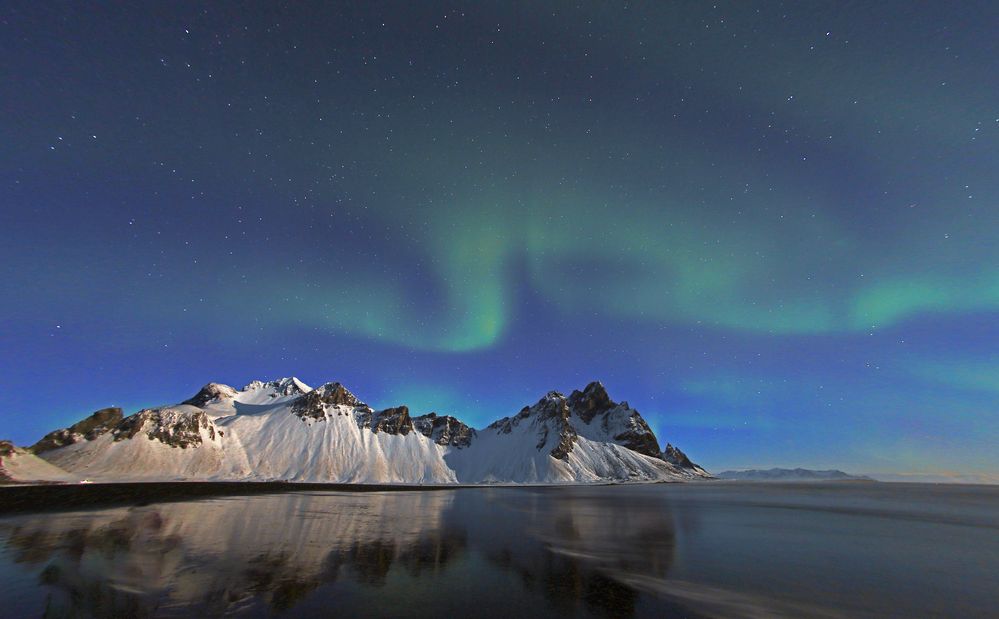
(771, 227)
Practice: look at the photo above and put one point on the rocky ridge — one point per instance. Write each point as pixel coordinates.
(444, 430)
(87, 429)
(248, 434)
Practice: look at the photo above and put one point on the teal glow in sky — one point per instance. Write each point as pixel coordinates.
(774, 229)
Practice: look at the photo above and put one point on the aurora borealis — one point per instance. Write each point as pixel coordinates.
(772, 227)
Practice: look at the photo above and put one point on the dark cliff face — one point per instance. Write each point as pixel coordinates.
(554, 408)
(506, 424)
(591, 401)
(676, 457)
(639, 437)
(314, 403)
(391, 421)
(444, 430)
(85, 430)
(169, 427)
(557, 414)
(551, 413)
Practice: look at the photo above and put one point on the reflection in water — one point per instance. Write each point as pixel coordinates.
(229, 555)
(269, 553)
(697, 550)
(583, 541)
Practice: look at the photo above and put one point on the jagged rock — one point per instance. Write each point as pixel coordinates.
(675, 456)
(591, 407)
(391, 421)
(170, 427)
(506, 424)
(280, 387)
(6, 449)
(590, 402)
(639, 436)
(551, 414)
(269, 433)
(625, 424)
(444, 430)
(85, 430)
(314, 403)
(554, 407)
(211, 393)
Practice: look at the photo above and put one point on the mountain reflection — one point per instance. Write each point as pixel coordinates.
(585, 543)
(229, 555)
(565, 551)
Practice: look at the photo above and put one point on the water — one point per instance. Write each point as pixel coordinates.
(673, 550)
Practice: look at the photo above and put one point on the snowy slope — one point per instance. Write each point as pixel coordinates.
(585, 437)
(334, 447)
(21, 465)
(179, 442)
(285, 430)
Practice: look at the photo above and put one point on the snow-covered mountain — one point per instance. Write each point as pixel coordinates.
(285, 430)
(585, 437)
(17, 464)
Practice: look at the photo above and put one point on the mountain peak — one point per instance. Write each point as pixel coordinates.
(336, 393)
(315, 402)
(393, 420)
(444, 430)
(210, 393)
(282, 429)
(591, 401)
(674, 456)
(281, 386)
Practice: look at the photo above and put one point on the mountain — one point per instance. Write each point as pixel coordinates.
(777, 474)
(286, 430)
(945, 477)
(86, 430)
(17, 464)
(585, 437)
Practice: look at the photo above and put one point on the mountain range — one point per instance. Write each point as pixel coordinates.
(799, 474)
(285, 430)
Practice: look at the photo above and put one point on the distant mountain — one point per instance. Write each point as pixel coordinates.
(777, 474)
(939, 478)
(285, 430)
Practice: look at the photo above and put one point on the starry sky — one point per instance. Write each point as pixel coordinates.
(771, 227)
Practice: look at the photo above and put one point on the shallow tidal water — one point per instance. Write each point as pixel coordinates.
(665, 550)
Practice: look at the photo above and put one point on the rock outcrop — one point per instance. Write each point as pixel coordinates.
(87, 429)
(284, 429)
(315, 403)
(212, 392)
(172, 427)
(444, 430)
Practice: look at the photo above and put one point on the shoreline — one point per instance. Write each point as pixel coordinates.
(21, 498)
(55, 497)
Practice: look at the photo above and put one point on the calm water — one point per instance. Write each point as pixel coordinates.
(691, 550)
